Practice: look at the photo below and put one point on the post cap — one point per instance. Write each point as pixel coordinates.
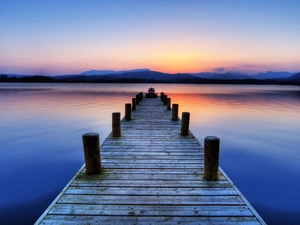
(90, 134)
(212, 138)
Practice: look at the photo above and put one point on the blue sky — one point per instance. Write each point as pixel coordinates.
(63, 37)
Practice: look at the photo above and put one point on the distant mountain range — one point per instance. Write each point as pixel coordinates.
(109, 72)
(295, 77)
(143, 73)
(239, 76)
(146, 75)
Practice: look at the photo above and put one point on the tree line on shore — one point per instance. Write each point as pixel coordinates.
(87, 79)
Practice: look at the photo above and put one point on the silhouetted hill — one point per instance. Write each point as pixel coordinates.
(237, 75)
(97, 72)
(65, 76)
(18, 75)
(205, 75)
(140, 76)
(228, 76)
(295, 77)
(240, 74)
(27, 79)
(154, 76)
(109, 72)
(272, 75)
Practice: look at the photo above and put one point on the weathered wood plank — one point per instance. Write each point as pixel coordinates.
(152, 149)
(146, 176)
(150, 200)
(150, 191)
(149, 183)
(151, 210)
(132, 219)
(143, 161)
(152, 154)
(151, 165)
(151, 142)
(187, 171)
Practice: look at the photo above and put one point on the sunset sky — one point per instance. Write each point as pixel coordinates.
(65, 37)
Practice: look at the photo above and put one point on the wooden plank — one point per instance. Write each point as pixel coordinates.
(150, 191)
(153, 170)
(151, 210)
(152, 154)
(151, 142)
(148, 183)
(146, 176)
(151, 165)
(150, 200)
(132, 219)
(157, 161)
(153, 149)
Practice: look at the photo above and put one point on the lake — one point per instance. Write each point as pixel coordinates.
(41, 147)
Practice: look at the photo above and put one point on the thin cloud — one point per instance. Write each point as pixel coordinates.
(219, 69)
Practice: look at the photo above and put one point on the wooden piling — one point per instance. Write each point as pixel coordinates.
(127, 111)
(211, 157)
(137, 99)
(91, 149)
(116, 124)
(168, 103)
(133, 104)
(174, 112)
(162, 95)
(165, 99)
(185, 121)
(139, 96)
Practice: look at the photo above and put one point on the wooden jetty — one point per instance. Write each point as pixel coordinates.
(151, 174)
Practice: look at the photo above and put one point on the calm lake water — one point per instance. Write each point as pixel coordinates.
(41, 127)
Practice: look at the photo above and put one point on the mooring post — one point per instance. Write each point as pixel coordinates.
(162, 96)
(141, 93)
(116, 124)
(133, 104)
(137, 99)
(174, 112)
(168, 103)
(91, 149)
(185, 121)
(165, 99)
(127, 111)
(211, 157)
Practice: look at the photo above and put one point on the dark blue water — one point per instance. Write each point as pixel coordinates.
(41, 127)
